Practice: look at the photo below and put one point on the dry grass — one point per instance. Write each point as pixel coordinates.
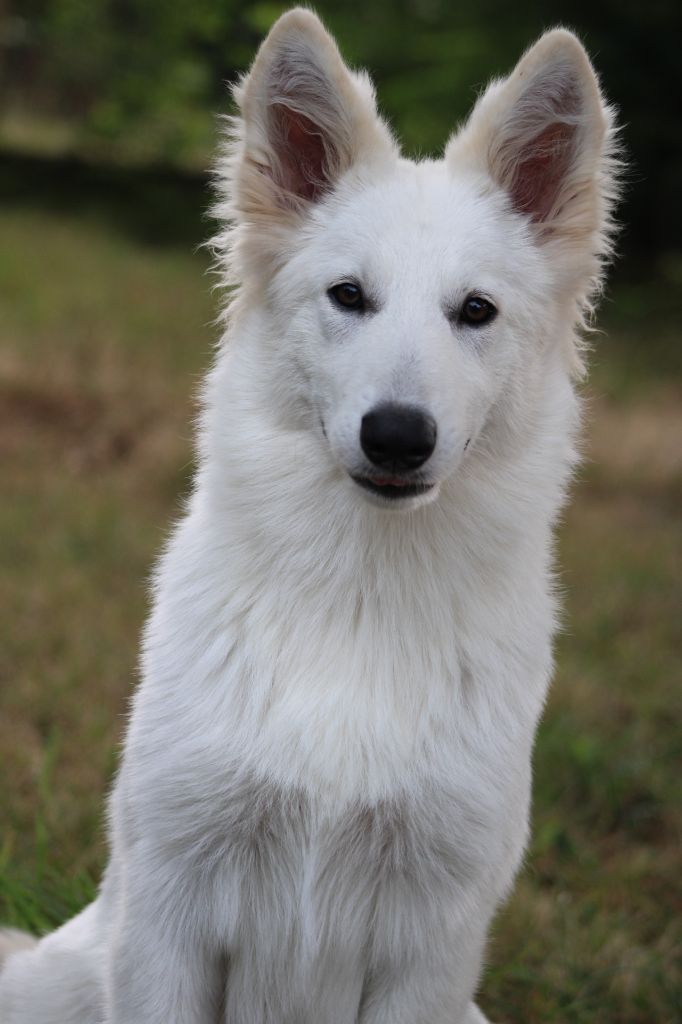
(101, 342)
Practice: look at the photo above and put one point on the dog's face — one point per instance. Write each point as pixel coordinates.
(411, 305)
(407, 314)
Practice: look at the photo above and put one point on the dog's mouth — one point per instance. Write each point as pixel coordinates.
(393, 487)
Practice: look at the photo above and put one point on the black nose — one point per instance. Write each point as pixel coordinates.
(399, 437)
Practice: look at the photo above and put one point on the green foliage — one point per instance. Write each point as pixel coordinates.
(39, 897)
(142, 78)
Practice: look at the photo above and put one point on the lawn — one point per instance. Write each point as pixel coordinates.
(103, 337)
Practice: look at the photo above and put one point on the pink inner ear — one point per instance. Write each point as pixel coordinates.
(542, 169)
(301, 153)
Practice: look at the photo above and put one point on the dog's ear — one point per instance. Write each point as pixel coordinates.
(544, 135)
(305, 119)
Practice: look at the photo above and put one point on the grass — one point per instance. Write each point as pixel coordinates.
(103, 336)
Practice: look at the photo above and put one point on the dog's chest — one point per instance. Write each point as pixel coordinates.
(305, 892)
(359, 714)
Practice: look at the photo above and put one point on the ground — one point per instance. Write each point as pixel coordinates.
(103, 337)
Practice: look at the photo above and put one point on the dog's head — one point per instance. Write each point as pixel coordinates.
(407, 314)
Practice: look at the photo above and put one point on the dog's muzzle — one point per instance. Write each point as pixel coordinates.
(397, 440)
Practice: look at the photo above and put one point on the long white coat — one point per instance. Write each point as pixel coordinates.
(325, 785)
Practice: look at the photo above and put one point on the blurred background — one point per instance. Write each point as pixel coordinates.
(108, 123)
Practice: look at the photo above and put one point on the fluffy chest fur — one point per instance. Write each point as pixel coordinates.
(337, 828)
(349, 789)
(316, 905)
(345, 657)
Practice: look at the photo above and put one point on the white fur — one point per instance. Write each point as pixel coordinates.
(325, 785)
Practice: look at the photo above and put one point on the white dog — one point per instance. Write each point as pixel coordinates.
(325, 786)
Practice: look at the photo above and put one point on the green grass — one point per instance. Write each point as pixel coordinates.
(103, 336)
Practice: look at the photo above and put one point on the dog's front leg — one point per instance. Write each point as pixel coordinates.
(435, 987)
(155, 979)
(160, 969)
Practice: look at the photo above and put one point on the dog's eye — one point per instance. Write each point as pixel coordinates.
(347, 295)
(476, 311)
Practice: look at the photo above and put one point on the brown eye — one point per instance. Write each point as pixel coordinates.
(476, 311)
(348, 296)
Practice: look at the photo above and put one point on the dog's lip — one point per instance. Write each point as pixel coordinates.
(393, 487)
